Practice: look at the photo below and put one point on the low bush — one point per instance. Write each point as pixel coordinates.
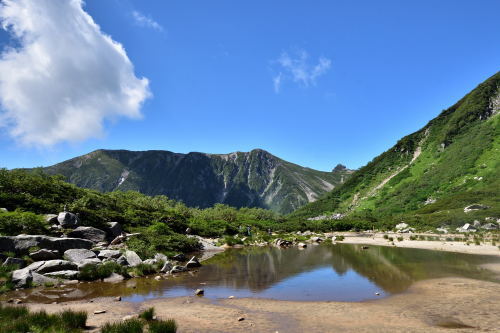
(163, 326)
(93, 272)
(148, 314)
(127, 326)
(15, 223)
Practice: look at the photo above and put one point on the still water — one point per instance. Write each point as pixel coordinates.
(341, 272)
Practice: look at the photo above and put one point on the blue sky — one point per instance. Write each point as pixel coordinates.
(354, 77)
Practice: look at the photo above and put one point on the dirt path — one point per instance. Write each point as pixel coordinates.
(428, 306)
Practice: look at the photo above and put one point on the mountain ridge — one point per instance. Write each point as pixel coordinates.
(241, 179)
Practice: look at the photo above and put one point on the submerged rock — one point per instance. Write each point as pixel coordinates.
(192, 263)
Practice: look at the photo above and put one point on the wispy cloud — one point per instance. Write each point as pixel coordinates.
(146, 21)
(297, 68)
(66, 77)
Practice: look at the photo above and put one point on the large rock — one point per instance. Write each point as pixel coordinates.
(41, 280)
(51, 218)
(45, 254)
(50, 266)
(167, 267)
(192, 263)
(67, 274)
(115, 254)
(78, 255)
(22, 278)
(91, 261)
(132, 258)
(90, 233)
(473, 207)
(15, 261)
(160, 257)
(401, 226)
(5, 210)
(22, 243)
(68, 220)
(122, 260)
(114, 230)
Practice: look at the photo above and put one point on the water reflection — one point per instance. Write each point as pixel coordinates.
(328, 272)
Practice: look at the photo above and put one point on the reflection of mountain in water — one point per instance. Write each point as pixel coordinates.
(258, 269)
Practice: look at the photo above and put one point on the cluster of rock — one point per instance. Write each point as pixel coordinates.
(288, 243)
(56, 258)
(334, 216)
(404, 228)
(491, 224)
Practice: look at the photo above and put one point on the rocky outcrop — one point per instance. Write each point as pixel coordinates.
(93, 234)
(23, 243)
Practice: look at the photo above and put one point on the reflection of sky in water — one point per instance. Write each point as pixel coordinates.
(319, 284)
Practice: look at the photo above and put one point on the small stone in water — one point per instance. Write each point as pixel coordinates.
(199, 292)
(118, 299)
(99, 311)
(231, 297)
(241, 318)
(377, 294)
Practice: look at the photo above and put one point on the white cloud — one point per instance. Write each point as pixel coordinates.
(297, 69)
(145, 21)
(65, 77)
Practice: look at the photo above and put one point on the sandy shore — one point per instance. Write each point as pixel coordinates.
(377, 239)
(428, 306)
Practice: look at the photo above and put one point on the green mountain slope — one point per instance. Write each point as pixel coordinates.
(251, 179)
(431, 175)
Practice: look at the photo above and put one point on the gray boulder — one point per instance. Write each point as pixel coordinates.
(68, 220)
(45, 254)
(179, 257)
(15, 261)
(67, 274)
(122, 260)
(22, 243)
(167, 267)
(51, 218)
(77, 255)
(114, 230)
(490, 226)
(132, 258)
(22, 278)
(109, 254)
(192, 263)
(90, 233)
(90, 261)
(177, 269)
(41, 280)
(150, 262)
(160, 257)
(50, 266)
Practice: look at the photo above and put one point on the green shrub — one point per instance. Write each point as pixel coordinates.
(127, 326)
(15, 223)
(73, 319)
(400, 239)
(148, 314)
(93, 272)
(386, 236)
(144, 269)
(391, 239)
(163, 326)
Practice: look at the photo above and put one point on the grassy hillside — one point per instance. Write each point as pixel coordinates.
(253, 179)
(428, 177)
